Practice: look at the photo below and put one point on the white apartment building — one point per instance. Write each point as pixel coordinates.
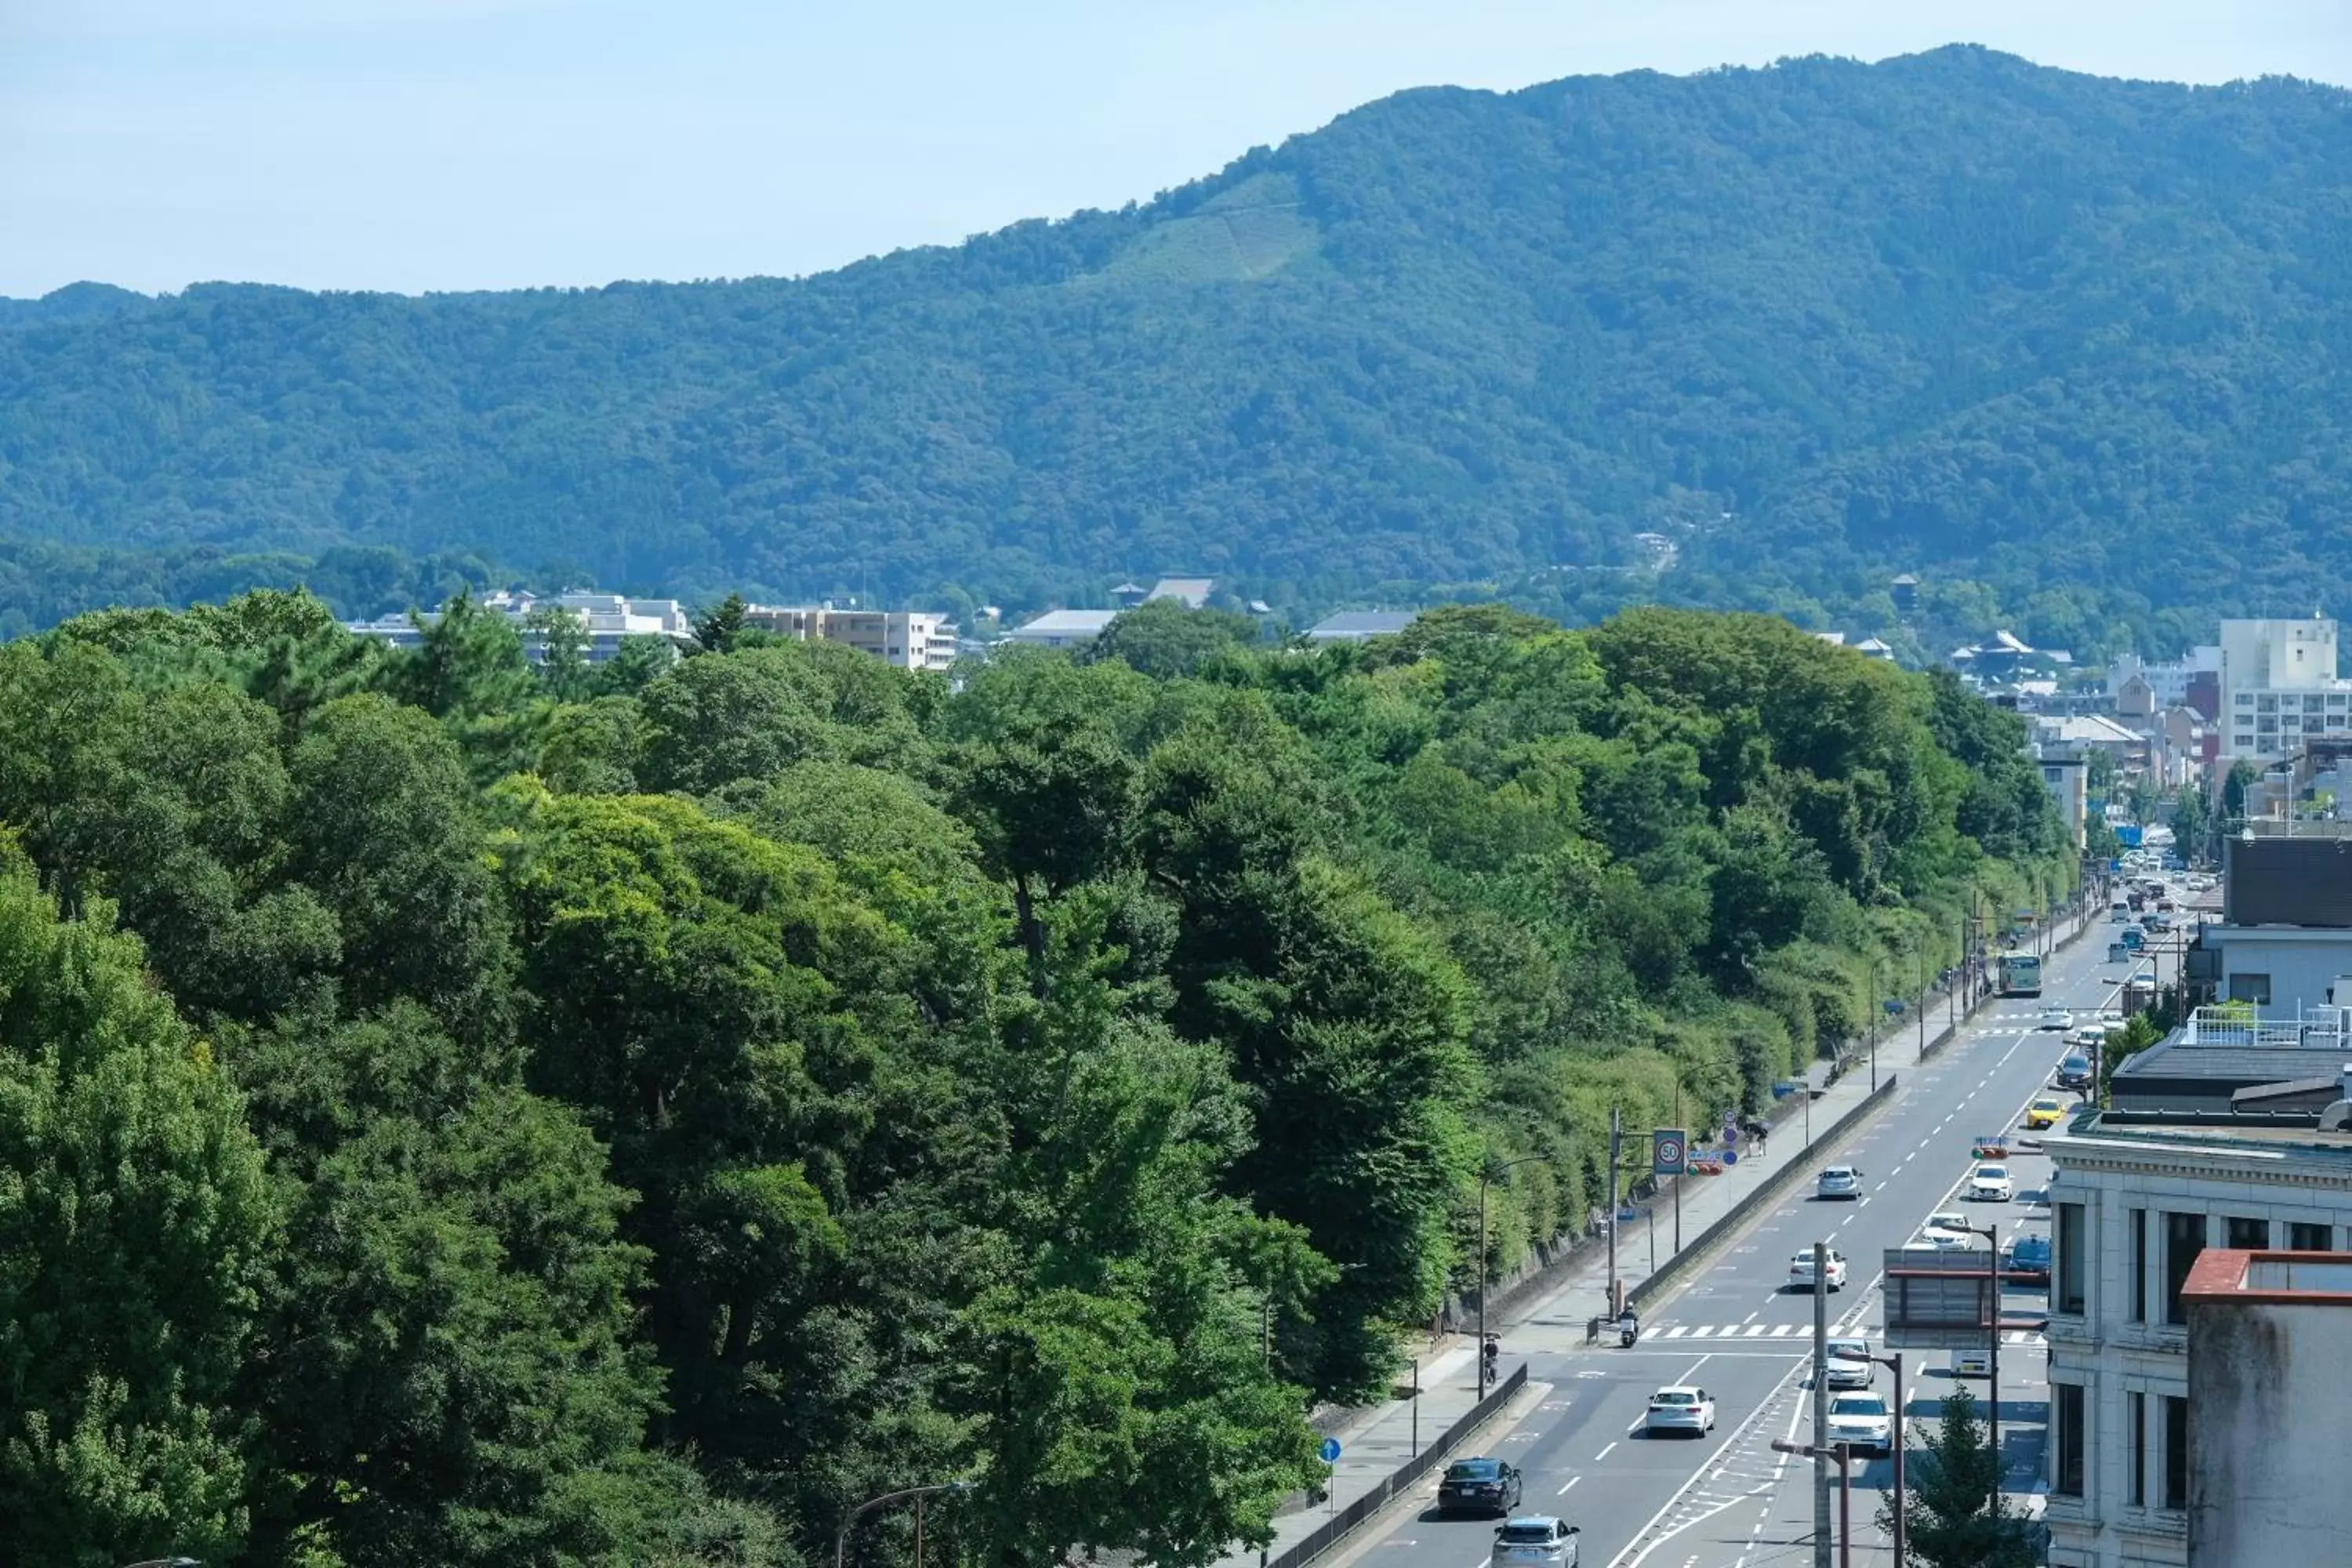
(2279, 686)
(2212, 1142)
(607, 618)
(904, 639)
(2167, 683)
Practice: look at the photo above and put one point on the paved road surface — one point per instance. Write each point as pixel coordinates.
(1727, 1501)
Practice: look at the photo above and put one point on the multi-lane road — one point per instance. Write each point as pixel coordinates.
(1729, 1501)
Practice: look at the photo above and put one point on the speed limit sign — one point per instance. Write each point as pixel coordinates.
(1669, 1152)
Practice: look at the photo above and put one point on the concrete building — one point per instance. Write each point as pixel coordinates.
(607, 619)
(1062, 628)
(2169, 682)
(1359, 626)
(2284, 939)
(903, 638)
(2068, 780)
(2209, 1142)
(2270, 1333)
(2279, 686)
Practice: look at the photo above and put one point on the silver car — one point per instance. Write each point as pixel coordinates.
(1839, 1182)
(1850, 1366)
(1538, 1541)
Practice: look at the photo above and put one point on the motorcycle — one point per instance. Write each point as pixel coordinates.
(1628, 1331)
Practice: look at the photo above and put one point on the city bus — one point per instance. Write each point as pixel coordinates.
(2021, 974)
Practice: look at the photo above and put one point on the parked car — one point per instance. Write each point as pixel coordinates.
(2027, 1260)
(1680, 1408)
(1839, 1182)
(1479, 1485)
(1862, 1420)
(2075, 1071)
(2054, 1018)
(1800, 1272)
(1850, 1366)
(1991, 1184)
(1535, 1541)
(2047, 1111)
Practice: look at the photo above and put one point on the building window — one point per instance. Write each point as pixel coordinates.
(2184, 1238)
(2246, 1234)
(2304, 1237)
(2136, 1417)
(2138, 1266)
(2244, 741)
(2066, 1412)
(2176, 1452)
(2067, 1237)
(2254, 988)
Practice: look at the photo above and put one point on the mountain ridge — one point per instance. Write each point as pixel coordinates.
(1952, 312)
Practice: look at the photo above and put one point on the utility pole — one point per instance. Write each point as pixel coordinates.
(1902, 1525)
(1820, 1403)
(1616, 1301)
(1921, 957)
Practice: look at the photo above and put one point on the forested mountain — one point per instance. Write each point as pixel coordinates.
(457, 1112)
(2078, 340)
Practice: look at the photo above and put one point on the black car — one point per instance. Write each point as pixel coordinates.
(2075, 1072)
(1478, 1486)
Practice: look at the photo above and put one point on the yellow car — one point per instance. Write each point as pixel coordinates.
(2043, 1113)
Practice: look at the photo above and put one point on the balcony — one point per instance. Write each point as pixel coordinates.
(2319, 1029)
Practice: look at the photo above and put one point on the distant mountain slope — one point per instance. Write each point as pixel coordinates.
(1952, 312)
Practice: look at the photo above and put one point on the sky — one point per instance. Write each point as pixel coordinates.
(419, 145)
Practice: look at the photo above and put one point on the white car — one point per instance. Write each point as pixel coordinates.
(1849, 1364)
(1536, 1541)
(1681, 1408)
(1862, 1420)
(2089, 1037)
(1948, 1232)
(1800, 1272)
(2055, 1018)
(2109, 1018)
(1991, 1184)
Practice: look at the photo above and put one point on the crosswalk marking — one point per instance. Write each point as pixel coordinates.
(1804, 1331)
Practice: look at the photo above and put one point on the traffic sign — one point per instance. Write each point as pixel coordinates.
(1330, 1450)
(1669, 1152)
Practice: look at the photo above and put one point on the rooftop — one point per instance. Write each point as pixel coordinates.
(1353, 625)
(2225, 1276)
(1067, 624)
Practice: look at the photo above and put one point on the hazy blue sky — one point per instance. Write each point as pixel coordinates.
(416, 145)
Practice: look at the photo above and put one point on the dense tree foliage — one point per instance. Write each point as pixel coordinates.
(2061, 345)
(467, 1113)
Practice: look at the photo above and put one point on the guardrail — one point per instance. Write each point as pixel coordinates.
(1331, 1530)
(1770, 1188)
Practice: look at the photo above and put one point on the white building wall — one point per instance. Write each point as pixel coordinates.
(2113, 1355)
(2295, 966)
(2279, 686)
(2267, 1395)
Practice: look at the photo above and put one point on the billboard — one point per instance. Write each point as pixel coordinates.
(1940, 1301)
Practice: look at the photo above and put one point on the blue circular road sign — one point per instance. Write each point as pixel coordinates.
(1330, 1450)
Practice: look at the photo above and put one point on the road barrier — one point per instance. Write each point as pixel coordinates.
(1770, 1188)
(1332, 1530)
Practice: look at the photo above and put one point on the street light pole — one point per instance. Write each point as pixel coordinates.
(1485, 1173)
(1991, 1233)
(1902, 1525)
(1841, 1455)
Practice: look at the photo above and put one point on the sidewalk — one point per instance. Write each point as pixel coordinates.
(1547, 1312)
